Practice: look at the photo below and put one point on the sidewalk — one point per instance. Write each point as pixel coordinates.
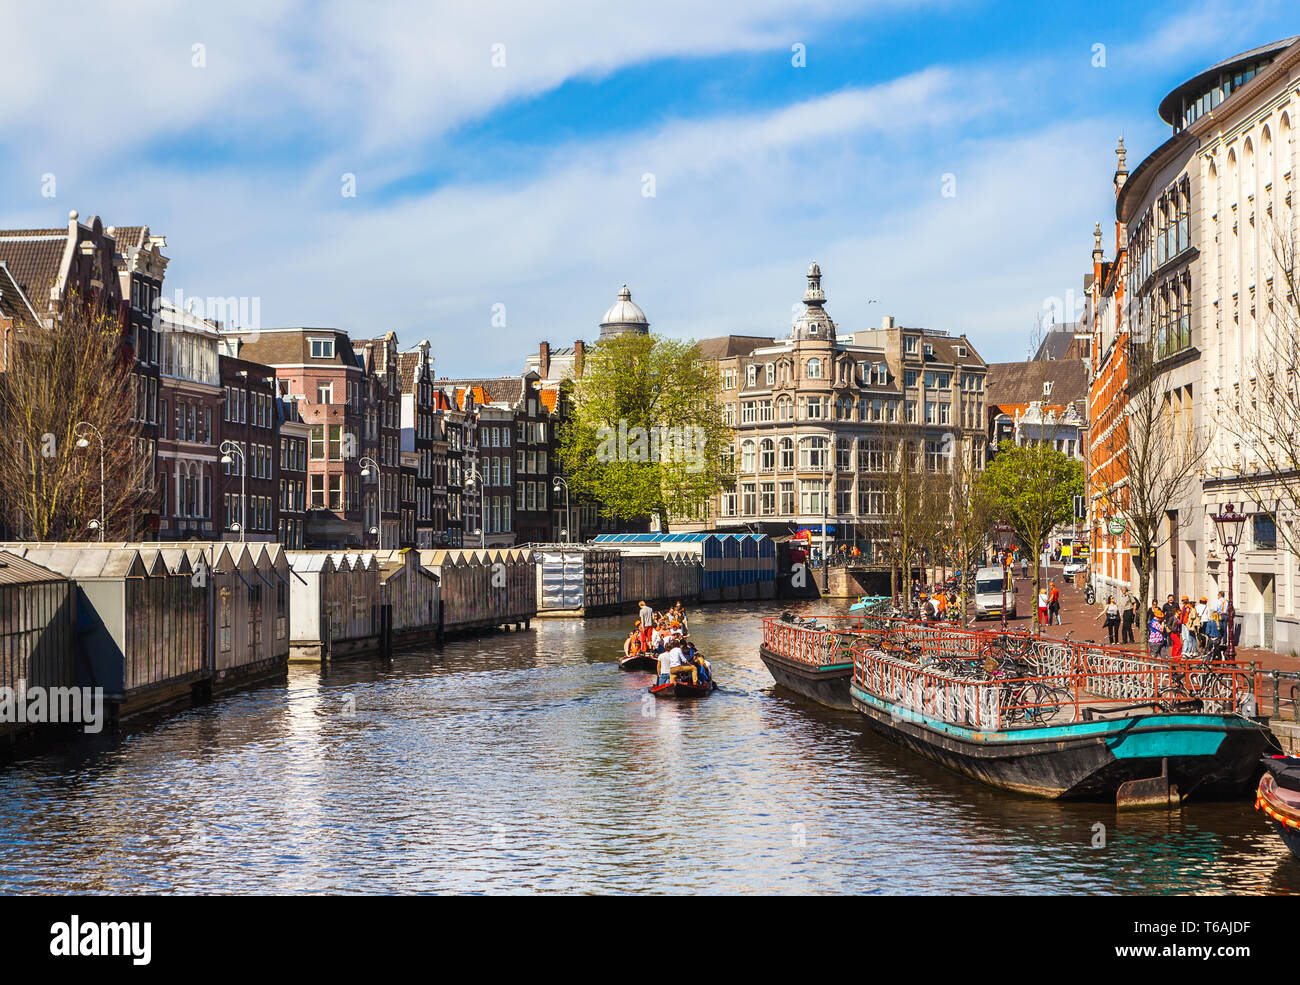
(1084, 623)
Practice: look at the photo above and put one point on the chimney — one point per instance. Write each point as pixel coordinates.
(423, 347)
(887, 323)
(544, 360)
(579, 358)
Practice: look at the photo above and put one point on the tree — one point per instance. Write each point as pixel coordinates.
(971, 510)
(1159, 448)
(76, 370)
(645, 435)
(1031, 487)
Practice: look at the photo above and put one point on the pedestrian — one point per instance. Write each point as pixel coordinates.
(1186, 617)
(1130, 615)
(1170, 611)
(1054, 604)
(1213, 635)
(1042, 607)
(1110, 617)
(1202, 612)
(1156, 634)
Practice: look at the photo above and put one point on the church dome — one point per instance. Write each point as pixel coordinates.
(623, 316)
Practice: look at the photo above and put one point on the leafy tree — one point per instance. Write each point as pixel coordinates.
(645, 435)
(1031, 487)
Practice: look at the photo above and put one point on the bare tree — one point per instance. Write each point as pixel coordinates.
(67, 381)
(970, 508)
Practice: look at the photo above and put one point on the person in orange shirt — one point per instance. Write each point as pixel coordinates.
(1054, 605)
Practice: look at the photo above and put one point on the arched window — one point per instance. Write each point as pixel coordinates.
(785, 409)
(747, 456)
(767, 455)
(787, 454)
(814, 369)
(812, 454)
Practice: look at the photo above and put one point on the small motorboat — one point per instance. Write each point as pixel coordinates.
(683, 689)
(1278, 797)
(640, 661)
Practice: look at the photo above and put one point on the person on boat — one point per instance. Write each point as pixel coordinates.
(647, 616)
(679, 665)
(703, 669)
(632, 645)
(680, 612)
(657, 639)
(667, 658)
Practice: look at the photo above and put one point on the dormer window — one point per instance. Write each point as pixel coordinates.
(751, 375)
(1047, 388)
(322, 348)
(771, 374)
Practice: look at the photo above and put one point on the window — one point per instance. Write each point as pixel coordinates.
(747, 456)
(1264, 531)
(787, 498)
(322, 348)
(751, 375)
(324, 392)
(787, 454)
(814, 369)
(748, 503)
(771, 374)
(812, 454)
(767, 455)
(767, 500)
(909, 377)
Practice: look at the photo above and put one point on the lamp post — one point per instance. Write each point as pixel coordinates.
(369, 465)
(473, 477)
(826, 513)
(1229, 524)
(1002, 538)
(81, 429)
(568, 517)
(229, 449)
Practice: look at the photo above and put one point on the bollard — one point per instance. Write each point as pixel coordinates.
(1277, 708)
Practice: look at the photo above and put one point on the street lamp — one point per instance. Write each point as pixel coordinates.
(473, 477)
(1002, 538)
(81, 429)
(826, 513)
(228, 449)
(368, 466)
(1229, 524)
(568, 517)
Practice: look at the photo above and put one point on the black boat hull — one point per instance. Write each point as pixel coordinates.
(1207, 756)
(828, 685)
(640, 661)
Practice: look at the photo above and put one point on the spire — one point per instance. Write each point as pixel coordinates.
(1122, 155)
(814, 295)
(1097, 253)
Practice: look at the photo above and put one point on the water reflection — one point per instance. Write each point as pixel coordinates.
(527, 762)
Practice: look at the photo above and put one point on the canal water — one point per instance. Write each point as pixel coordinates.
(526, 762)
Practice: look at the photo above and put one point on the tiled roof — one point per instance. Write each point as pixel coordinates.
(128, 237)
(731, 345)
(13, 301)
(1022, 382)
(945, 350)
(34, 258)
(288, 348)
(549, 399)
(501, 389)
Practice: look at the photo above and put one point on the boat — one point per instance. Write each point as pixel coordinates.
(640, 661)
(1278, 797)
(1092, 724)
(871, 603)
(811, 658)
(683, 689)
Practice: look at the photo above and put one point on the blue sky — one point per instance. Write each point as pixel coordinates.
(519, 187)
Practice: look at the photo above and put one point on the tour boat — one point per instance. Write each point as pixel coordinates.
(1278, 797)
(683, 689)
(1090, 731)
(640, 661)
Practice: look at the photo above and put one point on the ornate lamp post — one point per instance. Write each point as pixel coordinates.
(474, 477)
(368, 466)
(1229, 524)
(81, 429)
(229, 449)
(1002, 539)
(568, 517)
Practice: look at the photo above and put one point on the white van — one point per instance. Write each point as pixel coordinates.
(988, 594)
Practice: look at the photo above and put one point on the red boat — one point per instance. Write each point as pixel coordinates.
(683, 689)
(1278, 797)
(640, 661)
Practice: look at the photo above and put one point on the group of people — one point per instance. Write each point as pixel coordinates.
(1175, 630)
(667, 634)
